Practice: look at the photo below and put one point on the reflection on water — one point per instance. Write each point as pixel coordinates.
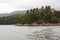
(45, 34)
(12, 32)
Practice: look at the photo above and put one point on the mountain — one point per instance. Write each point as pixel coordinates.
(12, 13)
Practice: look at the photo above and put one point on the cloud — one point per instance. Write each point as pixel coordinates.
(13, 5)
(5, 8)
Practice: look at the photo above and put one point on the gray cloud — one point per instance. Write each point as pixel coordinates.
(28, 4)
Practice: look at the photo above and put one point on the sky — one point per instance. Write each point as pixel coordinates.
(7, 6)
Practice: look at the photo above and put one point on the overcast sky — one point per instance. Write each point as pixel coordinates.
(7, 6)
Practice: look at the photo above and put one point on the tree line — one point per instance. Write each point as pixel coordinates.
(36, 15)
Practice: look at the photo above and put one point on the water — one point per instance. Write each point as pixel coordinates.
(12, 32)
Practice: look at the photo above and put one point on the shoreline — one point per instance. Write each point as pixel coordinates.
(38, 24)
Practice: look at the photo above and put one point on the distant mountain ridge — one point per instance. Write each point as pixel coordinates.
(12, 13)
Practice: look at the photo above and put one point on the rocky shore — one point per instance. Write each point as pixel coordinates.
(44, 24)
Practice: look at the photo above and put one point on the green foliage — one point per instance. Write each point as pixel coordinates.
(36, 15)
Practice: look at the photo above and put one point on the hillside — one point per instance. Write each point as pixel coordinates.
(12, 13)
(43, 15)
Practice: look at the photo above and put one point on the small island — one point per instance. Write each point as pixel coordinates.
(44, 16)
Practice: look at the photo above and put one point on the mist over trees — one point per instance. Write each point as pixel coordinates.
(36, 15)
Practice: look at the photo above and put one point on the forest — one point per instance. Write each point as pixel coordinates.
(36, 15)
